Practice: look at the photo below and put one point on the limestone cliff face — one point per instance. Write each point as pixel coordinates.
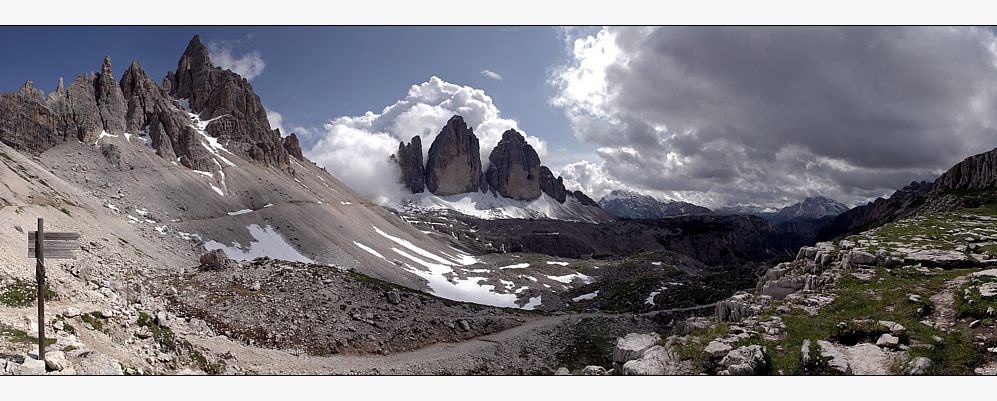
(409, 159)
(975, 172)
(551, 186)
(454, 162)
(26, 122)
(515, 168)
(110, 102)
(228, 100)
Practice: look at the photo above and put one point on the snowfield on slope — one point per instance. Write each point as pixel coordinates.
(487, 206)
(435, 269)
(268, 243)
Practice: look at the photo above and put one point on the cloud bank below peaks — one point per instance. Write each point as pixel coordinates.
(768, 115)
(356, 149)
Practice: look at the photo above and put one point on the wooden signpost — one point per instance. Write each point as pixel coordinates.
(54, 245)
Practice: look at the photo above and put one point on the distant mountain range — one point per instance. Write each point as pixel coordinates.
(634, 205)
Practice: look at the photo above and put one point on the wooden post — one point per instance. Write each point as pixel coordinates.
(40, 277)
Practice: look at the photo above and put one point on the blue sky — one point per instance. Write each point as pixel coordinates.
(712, 115)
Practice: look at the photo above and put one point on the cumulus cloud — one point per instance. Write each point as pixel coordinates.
(769, 115)
(275, 121)
(248, 65)
(491, 74)
(355, 149)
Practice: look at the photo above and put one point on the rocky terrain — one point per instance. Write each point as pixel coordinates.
(209, 245)
(514, 177)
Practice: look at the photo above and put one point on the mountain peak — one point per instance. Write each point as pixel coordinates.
(635, 205)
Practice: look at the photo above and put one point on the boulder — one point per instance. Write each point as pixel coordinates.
(97, 364)
(56, 360)
(887, 340)
(72, 311)
(835, 359)
(32, 366)
(938, 258)
(217, 259)
(857, 257)
(917, 366)
(745, 360)
(633, 346)
(655, 361)
(730, 311)
(716, 350)
(394, 297)
(453, 165)
(779, 289)
(562, 371)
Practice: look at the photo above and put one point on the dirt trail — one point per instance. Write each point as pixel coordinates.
(441, 357)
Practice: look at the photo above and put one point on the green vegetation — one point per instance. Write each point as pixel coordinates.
(95, 321)
(169, 342)
(592, 344)
(969, 302)
(19, 336)
(23, 293)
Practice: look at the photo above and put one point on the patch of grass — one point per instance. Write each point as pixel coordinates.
(860, 304)
(168, 340)
(94, 320)
(591, 344)
(968, 301)
(20, 336)
(23, 293)
(66, 211)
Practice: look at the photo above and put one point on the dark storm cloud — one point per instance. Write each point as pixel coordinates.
(871, 108)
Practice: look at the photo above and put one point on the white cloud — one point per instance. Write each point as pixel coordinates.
(768, 115)
(356, 149)
(275, 121)
(248, 65)
(491, 74)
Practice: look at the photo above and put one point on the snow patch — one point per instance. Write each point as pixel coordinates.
(217, 190)
(112, 207)
(238, 212)
(516, 266)
(268, 243)
(103, 134)
(368, 249)
(551, 262)
(567, 279)
(488, 206)
(586, 296)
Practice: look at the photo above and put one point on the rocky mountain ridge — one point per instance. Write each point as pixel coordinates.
(970, 183)
(634, 205)
(453, 167)
(813, 207)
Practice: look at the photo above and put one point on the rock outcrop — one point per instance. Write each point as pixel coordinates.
(409, 159)
(95, 103)
(226, 100)
(515, 168)
(453, 165)
(110, 101)
(553, 187)
(584, 199)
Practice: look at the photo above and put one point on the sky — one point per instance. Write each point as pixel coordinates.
(716, 116)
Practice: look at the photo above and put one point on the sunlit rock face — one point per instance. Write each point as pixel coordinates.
(454, 162)
(515, 168)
